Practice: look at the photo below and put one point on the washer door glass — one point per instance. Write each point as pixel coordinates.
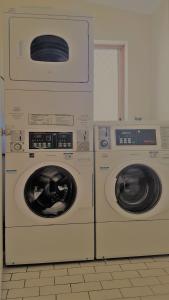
(49, 48)
(138, 188)
(50, 191)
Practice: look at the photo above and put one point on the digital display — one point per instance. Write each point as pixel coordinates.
(50, 140)
(135, 137)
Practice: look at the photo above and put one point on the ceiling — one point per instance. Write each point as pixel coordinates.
(140, 6)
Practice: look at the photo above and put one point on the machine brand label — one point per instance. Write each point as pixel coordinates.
(11, 171)
(68, 155)
(104, 167)
(154, 154)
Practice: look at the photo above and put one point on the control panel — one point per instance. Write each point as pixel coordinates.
(79, 140)
(50, 140)
(113, 136)
(135, 137)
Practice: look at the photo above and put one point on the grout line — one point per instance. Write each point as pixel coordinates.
(121, 293)
(129, 279)
(150, 287)
(89, 295)
(101, 284)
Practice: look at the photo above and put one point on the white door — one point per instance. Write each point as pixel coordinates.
(49, 49)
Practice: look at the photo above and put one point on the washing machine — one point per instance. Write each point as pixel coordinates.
(132, 189)
(47, 51)
(49, 209)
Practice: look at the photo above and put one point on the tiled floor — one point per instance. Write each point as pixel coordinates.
(129, 279)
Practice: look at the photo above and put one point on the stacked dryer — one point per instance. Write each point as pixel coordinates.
(49, 213)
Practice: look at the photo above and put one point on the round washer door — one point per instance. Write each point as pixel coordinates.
(137, 189)
(50, 191)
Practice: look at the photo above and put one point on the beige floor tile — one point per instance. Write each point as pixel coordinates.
(74, 296)
(136, 291)
(54, 290)
(135, 298)
(93, 263)
(39, 282)
(117, 261)
(13, 284)
(82, 270)
(4, 294)
(66, 265)
(115, 284)
(26, 275)
(14, 269)
(105, 294)
(109, 268)
(141, 259)
(164, 279)
(167, 270)
(97, 277)
(21, 298)
(53, 273)
(161, 258)
(161, 289)
(40, 268)
(125, 279)
(144, 281)
(158, 264)
(25, 292)
(136, 266)
(49, 297)
(6, 277)
(153, 272)
(69, 279)
(159, 297)
(125, 274)
(86, 286)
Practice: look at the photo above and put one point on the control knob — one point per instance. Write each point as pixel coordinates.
(17, 147)
(104, 143)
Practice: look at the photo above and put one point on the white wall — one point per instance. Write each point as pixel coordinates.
(160, 62)
(1, 230)
(114, 24)
(1, 219)
(1, 124)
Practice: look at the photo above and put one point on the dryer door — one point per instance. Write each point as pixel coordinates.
(49, 49)
(137, 189)
(50, 191)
